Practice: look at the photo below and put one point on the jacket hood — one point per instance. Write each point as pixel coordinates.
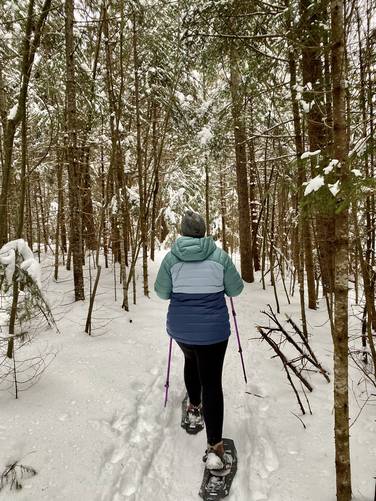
(193, 249)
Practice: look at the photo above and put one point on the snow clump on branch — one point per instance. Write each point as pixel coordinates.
(308, 154)
(332, 164)
(314, 184)
(29, 264)
(205, 135)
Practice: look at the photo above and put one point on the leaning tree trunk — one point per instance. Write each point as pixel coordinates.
(73, 177)
(340, 334)
(33, 32)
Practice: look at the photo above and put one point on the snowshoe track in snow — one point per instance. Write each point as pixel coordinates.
(133, 463)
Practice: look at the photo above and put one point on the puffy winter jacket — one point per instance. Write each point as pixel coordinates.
(195, 275)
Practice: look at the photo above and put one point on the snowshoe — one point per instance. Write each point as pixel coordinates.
(192, 419)
(216, 484)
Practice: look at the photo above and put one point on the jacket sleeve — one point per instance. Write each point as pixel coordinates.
(163, 283)
(232, 280)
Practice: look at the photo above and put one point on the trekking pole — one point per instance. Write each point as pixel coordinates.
(238, 337)
(167, 384)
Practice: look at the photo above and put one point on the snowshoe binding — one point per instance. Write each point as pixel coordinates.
(219, 472)
(192, 419)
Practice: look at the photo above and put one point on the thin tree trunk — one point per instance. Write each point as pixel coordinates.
(21, 214)
(141, 187)
(312, 17)
(75, 240)
(303, 236)
(156, 182)
(340, 334)
(246, 264)
(59, 210)
(222, 190)
(253, 203)
(33, 32)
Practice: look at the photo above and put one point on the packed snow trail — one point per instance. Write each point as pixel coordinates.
(154, 458)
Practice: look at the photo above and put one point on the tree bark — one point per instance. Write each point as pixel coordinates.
(312, 17)
(141, 187)
(340, 334)
(240, 137)
(30, 46)
(75, 240)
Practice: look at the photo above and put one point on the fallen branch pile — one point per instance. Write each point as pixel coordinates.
(304, 360)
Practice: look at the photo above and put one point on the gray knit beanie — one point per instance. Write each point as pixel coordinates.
(193, 225)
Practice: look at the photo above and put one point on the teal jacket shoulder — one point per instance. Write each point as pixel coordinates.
(163, 282)
(232, 280)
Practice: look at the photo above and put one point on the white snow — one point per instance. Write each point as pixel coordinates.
(32, 268)
(306, 107)
(85, 67)
(29, 264)
(205, 135)
(133, 195)
(170, 215)
(359, 146)
(13, 112)
(334, 188)
(213, 462)
(314, 184)
(308, 154)
(9, 260)
(356, 172)
(333, 163)
(95, 428)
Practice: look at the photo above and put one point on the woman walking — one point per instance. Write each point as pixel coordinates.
(195, 276)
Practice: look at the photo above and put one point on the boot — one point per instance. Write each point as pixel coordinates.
(215, 456)
(194, 421)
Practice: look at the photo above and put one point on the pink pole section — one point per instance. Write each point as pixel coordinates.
(238, 338)
(167, 384)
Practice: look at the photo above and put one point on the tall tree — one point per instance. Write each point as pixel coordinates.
(240, 137)
(340, 334)
(74, 178)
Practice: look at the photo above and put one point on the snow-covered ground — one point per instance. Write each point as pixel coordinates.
(94, 427)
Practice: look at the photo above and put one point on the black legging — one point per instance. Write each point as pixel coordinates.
(203, 375)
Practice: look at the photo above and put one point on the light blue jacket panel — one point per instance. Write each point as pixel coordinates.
(197, 277)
